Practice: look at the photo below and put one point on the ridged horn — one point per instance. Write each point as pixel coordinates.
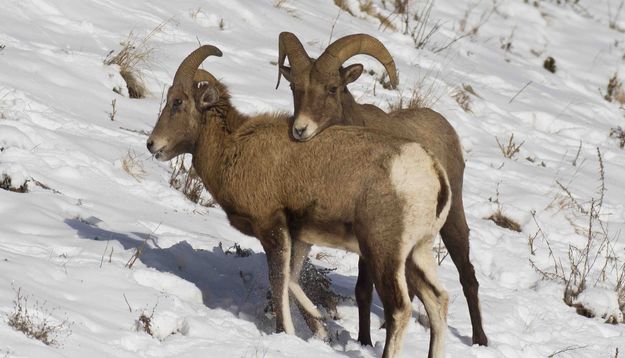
(203, 75)
(290, 46)
(186, 70)
(346, 47)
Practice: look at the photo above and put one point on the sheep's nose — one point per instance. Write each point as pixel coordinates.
(299, 131)
(150, 144)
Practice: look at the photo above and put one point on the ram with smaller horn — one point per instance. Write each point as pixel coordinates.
(321, 99)
(381, 197)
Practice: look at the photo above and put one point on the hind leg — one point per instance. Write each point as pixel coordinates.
(389, 278)
(364, 295)
(276, 242)
(432, 294)
(455, 234)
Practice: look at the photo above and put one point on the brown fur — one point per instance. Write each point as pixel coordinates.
(339, 185)
(313, 100)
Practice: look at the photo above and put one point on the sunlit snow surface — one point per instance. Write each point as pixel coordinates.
(66, 242)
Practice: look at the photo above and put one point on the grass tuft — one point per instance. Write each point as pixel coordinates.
(504, 221)
(614, 90)
(37, 322)
(134, 54)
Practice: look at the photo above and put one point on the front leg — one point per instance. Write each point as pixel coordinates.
(276, 241)
(309, 311)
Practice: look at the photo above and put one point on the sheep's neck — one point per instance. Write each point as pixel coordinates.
(210, 155)
(351, 110)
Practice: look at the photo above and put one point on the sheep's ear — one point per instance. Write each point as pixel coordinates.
(351, 73)
(286, 72)
(208, 95)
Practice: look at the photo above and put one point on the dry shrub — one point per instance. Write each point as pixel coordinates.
(461, 95)
(504, 221)
(6, 184)
(134, 54)
(144, 323)
(189, 183)
(614, 90)
(316, 284)
(595, 261)
(37, 322)
(133, 166)
(236, 250)
(619, 135)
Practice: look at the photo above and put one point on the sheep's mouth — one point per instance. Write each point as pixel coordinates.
(162, 154)
(158, 155)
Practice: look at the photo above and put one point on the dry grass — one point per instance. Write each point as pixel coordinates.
(133, 56)
(189, 183)
(425, 93)
(367, 7)
(504, 221)
(342, 4)
(461, 95)
(37, 322)
(133, 166)
(614, 90)
(510, 149)
(416, 100)
(440, 251)
(619, 135)
(279, 3)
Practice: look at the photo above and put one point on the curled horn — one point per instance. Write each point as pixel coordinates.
(186, 70)
(344, 48)
(289, 45)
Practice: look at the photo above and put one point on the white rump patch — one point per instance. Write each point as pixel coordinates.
(415, 180)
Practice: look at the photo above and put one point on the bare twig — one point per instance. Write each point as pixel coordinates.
(127, 303)
(579, 150)
(519, 92)
(336, 19)
(106, 248)
(567, 349)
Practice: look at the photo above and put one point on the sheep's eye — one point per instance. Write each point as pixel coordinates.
(332, 90)
(177, 103)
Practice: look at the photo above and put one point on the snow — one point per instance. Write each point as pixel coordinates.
(66, 242)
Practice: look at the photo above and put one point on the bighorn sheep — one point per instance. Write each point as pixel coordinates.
(382, 197)
(321, 99)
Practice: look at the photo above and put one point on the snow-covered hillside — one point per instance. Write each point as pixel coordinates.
(65, 244)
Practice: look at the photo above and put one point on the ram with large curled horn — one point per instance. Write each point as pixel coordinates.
(321, 99)
(292, 195)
